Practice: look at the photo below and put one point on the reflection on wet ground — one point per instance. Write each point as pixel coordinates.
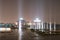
(9, 35)
(26, 34)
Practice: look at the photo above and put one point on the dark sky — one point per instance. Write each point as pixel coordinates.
(9, 10)
(46, 10)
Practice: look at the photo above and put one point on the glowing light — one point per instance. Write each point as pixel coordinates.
(20, 14)
(8, 29)
(16, 23)
(21, 19)
(54, 26)
(38, 27)
(29, 23)
(2, 29)
(37, 20)
(47, 25)
(42, 27)
(5, 29)
(20, 30)
(20, 23)
(50, 28)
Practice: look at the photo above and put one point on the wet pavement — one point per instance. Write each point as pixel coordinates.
(9, 35)
(26, 34)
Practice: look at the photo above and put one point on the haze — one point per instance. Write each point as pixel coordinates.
(46, 10)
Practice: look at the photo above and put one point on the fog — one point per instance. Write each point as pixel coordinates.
(46, 10)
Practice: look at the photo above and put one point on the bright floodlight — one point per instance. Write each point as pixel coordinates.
(20, 23)
(21, 18)
(16, 23)
(37, 20)
(5, 29)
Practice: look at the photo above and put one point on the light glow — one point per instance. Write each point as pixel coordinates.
(50, 28)
(54, 26)
(2, 29)
(29, 23)
(42, 27)
(5, 29)
(20, 23)
(21, 19)
(37, 20)
(8, 29)
(16, 23)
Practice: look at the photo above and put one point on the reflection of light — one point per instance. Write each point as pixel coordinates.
(50, 28)
(42, 27)
(16, 23)
(5, 29)
(2, 29)
(54, 26)
(20, 25)
(29, 23)
(20, 15)
(37, 20)
(8, 29)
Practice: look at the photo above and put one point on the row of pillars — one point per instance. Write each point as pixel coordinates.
(41, 26)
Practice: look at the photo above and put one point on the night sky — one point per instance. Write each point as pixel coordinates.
(46, 10)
